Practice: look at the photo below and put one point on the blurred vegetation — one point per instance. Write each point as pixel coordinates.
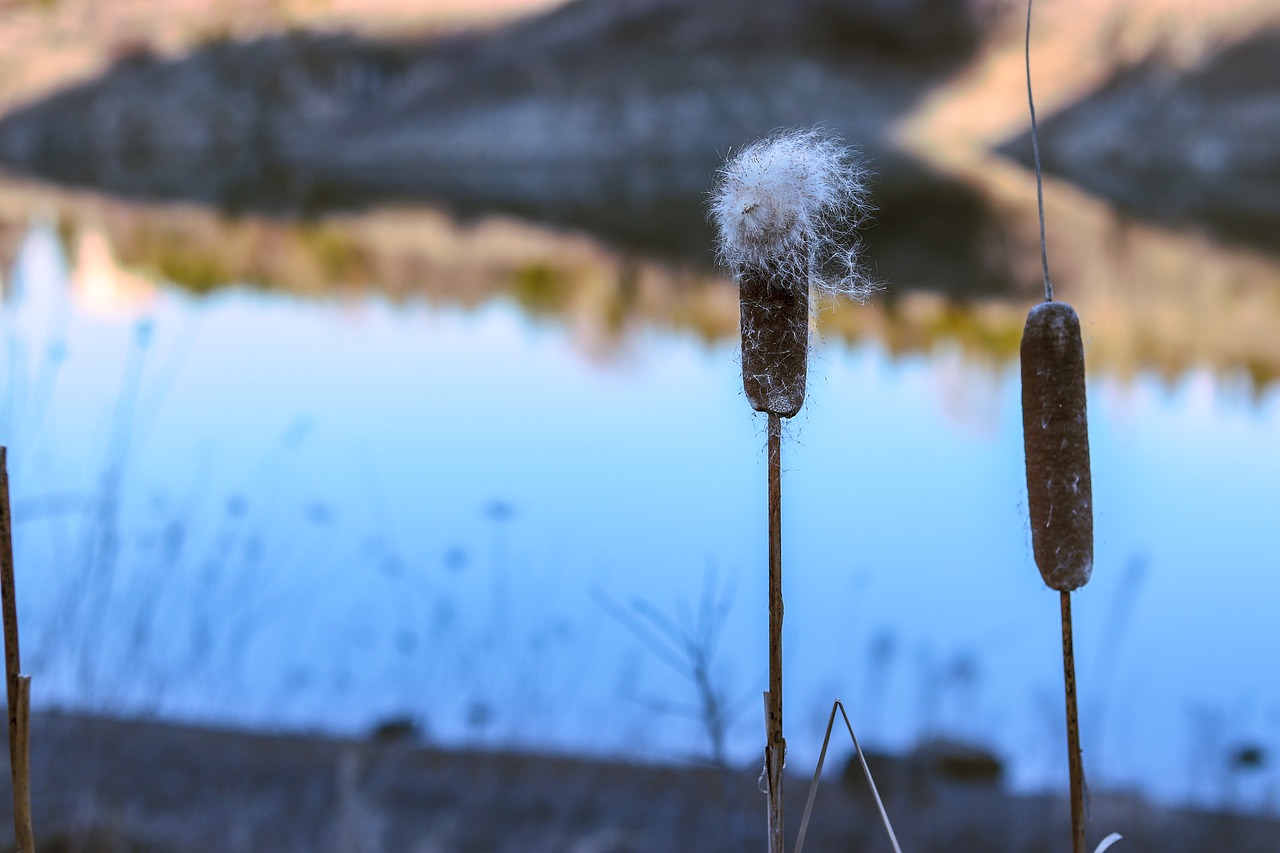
(1150, 298)
(540, 290)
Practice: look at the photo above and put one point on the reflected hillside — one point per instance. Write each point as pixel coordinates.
(1151, 298)
(406, 253)
(1193, 145)
(49, 44)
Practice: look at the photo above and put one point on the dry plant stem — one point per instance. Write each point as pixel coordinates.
(18, 685)
(20, 728)
(1073, 728)
(8, 600)
(775, 751)
(817, 775)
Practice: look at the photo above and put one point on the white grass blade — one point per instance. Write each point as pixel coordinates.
(1107, 842)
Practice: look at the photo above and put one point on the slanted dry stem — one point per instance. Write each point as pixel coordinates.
(18, 685)
(866, 770)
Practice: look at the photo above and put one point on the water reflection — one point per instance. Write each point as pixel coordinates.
(301, 501)
(1154, 298)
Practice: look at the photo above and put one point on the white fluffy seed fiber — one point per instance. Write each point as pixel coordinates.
(792, 203)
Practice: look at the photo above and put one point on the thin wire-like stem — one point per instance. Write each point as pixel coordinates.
(817, 774)
(775, 751)
(1073, 728)
(1035, 150)
(18, 686)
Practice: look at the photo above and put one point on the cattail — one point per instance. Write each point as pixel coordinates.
(787, 209)
(1055, 433)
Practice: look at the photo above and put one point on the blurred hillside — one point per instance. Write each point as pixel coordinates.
(1192, 144)
(48, 44)
(609, 116)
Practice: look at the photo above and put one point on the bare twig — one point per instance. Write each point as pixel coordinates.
(18, 686)
(775, 751)
(687, 645)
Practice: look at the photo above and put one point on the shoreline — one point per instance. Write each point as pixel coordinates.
(154, 786)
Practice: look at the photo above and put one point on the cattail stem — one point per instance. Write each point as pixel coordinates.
(775, 751)
(18, 686)
(1074, 761)
(1035, 150)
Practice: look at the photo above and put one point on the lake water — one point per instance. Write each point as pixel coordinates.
(259, 507)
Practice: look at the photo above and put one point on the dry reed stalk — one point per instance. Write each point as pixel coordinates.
(18, 686)
(1075, 762)
(775, 750)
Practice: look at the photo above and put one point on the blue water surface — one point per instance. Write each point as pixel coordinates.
(256, 509)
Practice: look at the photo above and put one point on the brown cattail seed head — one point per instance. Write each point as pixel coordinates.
(775, 340)
(786, 211)
(1055, 432)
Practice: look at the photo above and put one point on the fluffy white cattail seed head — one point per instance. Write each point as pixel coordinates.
(791, 204)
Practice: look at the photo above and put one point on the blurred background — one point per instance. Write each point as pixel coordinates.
(366, 365)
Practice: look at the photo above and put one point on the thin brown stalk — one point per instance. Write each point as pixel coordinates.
(18, 686)
(775, 751)
(1073, 728)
